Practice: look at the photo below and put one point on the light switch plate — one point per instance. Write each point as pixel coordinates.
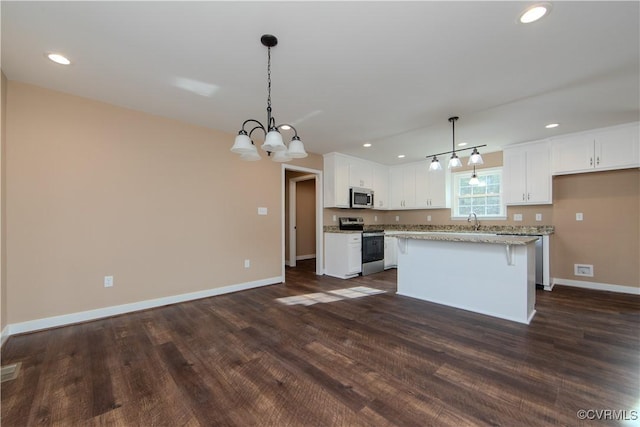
(579, 216)
(108, 281)
(538, 217)
(517, 217)
(262, 211)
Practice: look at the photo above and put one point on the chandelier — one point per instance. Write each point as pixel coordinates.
(454, 162)
(273, 143)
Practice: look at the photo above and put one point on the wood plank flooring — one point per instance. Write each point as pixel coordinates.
(382, 360)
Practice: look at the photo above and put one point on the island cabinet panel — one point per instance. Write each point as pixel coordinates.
(497, 279)
(611, 148)
(527, 172)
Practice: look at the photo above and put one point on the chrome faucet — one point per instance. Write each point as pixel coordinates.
(476, 223)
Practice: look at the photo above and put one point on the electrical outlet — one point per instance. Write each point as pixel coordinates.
(517, 217)
(397, 218)
(335, 218)
(538, 217)
(429, 218)
(247, 263)
(375, 218)
(108, 281)
(579, 216)
(583, 270)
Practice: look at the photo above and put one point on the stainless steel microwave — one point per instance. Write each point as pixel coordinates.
(360, 198)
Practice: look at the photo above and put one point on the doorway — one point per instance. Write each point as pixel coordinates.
(302, 224)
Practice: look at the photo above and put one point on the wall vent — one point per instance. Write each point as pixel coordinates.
(10, 372)
(583, 270)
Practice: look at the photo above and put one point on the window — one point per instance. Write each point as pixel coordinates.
(484, 199)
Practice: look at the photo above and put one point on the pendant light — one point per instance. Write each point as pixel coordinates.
(454, 162)
(475, 158)
(474, 178)
(273, 142)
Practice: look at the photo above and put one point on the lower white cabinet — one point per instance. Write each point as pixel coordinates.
(343, 254)
(390, 252)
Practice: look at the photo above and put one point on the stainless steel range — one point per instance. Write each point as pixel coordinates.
(372, 244)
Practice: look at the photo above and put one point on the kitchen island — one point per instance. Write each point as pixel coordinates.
(484, 273)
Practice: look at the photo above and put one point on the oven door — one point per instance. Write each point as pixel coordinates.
(372, 248)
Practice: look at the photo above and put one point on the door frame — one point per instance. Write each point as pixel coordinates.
(319, 216)
(293, 222)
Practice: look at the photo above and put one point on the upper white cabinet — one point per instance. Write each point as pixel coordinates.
(360, 173)
(527, 174)
(412, 186)
(616, 147)
(336, 181)
(342, 172)
(380, 186)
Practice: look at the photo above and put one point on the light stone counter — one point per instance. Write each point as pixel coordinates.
(465, 237)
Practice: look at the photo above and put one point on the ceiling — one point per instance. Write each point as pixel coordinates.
(343, 73)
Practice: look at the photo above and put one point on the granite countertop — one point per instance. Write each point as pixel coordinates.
(543, 230)
(467, 237)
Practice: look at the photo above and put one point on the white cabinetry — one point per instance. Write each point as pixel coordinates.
(527, 172)
(412, 186)
(380, 186)
(343, 254)
(342, 172)
(611, 148)
(390, 252)
(360, 173)
(336, 181)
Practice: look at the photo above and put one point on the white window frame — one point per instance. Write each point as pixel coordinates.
(457, 176)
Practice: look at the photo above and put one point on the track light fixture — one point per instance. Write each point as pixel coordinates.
(454, 162)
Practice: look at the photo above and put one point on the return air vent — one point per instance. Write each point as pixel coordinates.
(583, 270)
(10, 372)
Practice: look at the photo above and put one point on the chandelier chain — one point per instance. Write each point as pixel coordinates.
(269, 78)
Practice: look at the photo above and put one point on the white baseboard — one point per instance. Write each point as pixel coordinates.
(84, 316)
(597, 286)
(301, 257)
(4, 335)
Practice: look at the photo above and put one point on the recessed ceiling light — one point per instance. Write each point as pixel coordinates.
(552, 125)
(367, 145)
(285, 127)
(401, 156)
(58, 59)
(462, 144)
(535, 12)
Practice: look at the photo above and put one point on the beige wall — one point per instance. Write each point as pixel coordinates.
(3, 182)
(163, 206)
(608, 237)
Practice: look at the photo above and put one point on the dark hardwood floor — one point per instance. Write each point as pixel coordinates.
(247, 359)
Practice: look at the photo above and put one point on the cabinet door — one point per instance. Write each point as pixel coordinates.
(573, 153)
(421, 177)
(380, 187)
(354, 257)
(409, 187)
(390, 252)
(396, 187)
(538, 167)
(360, 173)
(514, 170)
(437, 189)
(341, 188)
(617, 148)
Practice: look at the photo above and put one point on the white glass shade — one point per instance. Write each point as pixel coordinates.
(251, 156)
(296, 149)
(474, 180)
(475, 158)
(242, 144)
(273, 142)
(281, 156)
(454, 162)
(435, 165)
